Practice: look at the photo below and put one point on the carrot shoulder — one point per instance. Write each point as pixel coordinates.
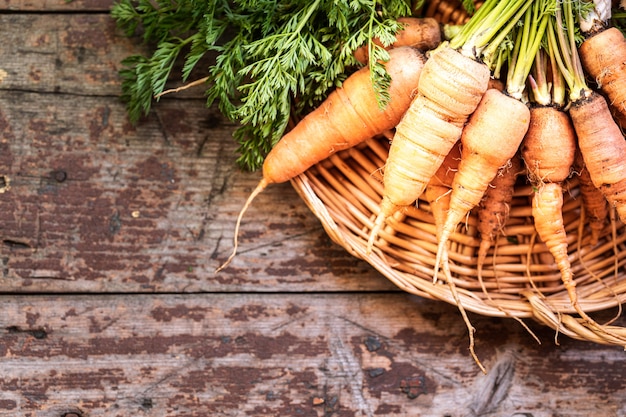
(348, 116)
(450, 87)
(549, 147)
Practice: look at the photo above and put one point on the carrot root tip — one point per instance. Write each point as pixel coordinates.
(259, 188)
(442, 253)
(387, 208)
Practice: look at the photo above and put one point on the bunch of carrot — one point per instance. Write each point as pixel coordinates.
(461, 142)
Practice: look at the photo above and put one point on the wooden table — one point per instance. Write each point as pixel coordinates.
(110, 235)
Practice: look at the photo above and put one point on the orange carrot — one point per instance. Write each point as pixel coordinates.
(494, 208)
(549, 204)
(450, 87)
(438, 190)
(421, 33)
(491, 138)
(547, 209)
(603, 149)
(548, 152)
(549, 147)
(603, 56)
(594, 204)
(348, 116)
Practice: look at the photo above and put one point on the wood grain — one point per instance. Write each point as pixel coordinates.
(56, 5)
(63, 53)
(96, 204)
(73, 53)
(288, 355)
(109, 237)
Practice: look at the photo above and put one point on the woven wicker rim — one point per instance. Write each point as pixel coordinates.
(519, 279)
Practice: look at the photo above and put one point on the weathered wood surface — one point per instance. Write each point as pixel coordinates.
(296, 355)
(56, 5)
(96, 204)
(109, 237)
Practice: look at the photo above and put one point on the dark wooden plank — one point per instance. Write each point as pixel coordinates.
(270, 355)
(73, 53)
(97, 205)
(56, 5)
(63, 53)
(91, 204)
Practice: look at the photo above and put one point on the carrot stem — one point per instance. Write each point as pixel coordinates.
(487, 29)
(494, 44)
(563, 49)
(530, 37)
(472, 26)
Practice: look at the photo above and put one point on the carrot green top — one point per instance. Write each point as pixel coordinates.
(264, 60)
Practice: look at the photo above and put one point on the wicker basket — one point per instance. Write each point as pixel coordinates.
(519, 280)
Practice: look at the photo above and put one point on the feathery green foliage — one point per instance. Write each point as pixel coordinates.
(273, 58)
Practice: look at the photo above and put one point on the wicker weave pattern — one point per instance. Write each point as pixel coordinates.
(519, 279)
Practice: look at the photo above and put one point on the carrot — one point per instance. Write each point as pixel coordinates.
(603, 56)
(493, 209)
(348, 116)
(548, 152)
(491, 138)
(450, 87)
(593, 201)
(603, 149)
(421, 33)
(438, 190)
(547, 209)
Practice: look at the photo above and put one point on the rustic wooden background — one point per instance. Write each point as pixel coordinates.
(110, 235)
